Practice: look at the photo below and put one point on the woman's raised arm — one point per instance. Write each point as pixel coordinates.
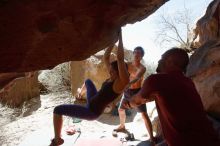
(123, 72)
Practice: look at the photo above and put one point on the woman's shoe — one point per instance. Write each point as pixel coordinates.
(56, 142)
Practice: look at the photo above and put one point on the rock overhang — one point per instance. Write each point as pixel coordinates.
(40, 34)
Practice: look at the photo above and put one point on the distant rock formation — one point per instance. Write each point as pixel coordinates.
(204, 66)
(18, 87)
(56, 79)
(40, 34)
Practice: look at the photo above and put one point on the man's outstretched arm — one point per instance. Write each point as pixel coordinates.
(146, 94)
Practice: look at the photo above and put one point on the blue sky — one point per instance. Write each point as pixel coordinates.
(144, 33)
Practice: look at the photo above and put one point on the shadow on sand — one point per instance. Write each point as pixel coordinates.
(114, 120)
(145, 143)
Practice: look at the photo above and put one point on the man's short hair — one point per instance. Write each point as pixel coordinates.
(180, 57)
(141, 49)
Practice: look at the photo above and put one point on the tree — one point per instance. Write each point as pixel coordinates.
(176, 29)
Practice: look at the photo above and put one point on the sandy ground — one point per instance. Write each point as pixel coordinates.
(32, 124)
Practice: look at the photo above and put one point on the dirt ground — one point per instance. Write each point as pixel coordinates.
(31, 124)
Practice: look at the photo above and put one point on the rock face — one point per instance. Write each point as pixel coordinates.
(56, 79)
(204, 67)
(5, 78)
(39, 34)
(208, 27)
(19, 88)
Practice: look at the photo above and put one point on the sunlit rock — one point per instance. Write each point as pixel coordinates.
(204, 66)
(56, 79)
(208, 27)
(204, 69)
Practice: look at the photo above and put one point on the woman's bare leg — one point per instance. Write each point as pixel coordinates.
(57, 123)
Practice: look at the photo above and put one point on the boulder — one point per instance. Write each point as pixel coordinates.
(56, 79)
(204, 69)
(204, 65)
(208, 27)
(19, 89)
(40, 34)
(5, 78)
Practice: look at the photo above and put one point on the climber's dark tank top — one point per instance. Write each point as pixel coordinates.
(104, 96)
